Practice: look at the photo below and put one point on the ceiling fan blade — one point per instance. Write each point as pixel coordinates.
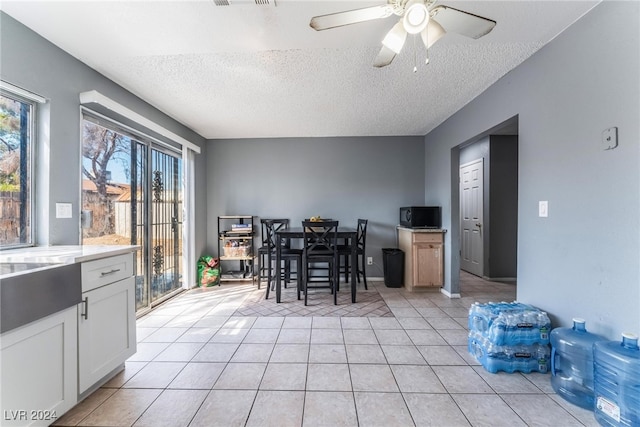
(391, 45)
(384, 58)
(465, 23)
(432, 33)
(395, 38)
(333, 20)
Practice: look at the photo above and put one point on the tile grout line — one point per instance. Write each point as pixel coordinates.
(402, 327)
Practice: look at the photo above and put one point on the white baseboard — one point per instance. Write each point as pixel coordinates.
(449, 294)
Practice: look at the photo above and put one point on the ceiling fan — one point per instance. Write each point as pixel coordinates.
(416, 17)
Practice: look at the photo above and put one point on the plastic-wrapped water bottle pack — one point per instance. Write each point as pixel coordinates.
(509, 358)
(509, 336)
(510, 323)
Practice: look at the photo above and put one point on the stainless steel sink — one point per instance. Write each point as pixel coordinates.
(30, 291)
(17, 267)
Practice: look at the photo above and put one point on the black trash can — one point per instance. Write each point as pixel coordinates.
(393, 265)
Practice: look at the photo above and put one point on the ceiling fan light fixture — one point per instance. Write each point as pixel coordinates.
(416, 17)
(394, 40)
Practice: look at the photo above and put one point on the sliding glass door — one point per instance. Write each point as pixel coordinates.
(166, 224)
(132, 194)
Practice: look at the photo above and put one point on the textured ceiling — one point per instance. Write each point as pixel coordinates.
(247, 71)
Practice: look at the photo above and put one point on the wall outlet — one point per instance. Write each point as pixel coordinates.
(369, 260)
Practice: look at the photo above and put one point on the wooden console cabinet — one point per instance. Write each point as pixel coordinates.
(423, 257)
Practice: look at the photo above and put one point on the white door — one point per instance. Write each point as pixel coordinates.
(471, 206)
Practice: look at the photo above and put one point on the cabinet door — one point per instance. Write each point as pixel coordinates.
(405, 244)
(106, 330)
(39, 375)
(427, 264)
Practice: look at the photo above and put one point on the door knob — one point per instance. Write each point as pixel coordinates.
(478, 225)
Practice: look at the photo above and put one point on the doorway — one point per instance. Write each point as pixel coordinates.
(488, 205)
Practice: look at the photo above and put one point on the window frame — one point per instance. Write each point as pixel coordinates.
(20, 95)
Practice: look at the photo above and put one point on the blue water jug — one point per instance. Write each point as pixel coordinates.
(617, 381)
(572, 363)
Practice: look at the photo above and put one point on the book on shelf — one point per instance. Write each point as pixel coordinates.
(241, 227)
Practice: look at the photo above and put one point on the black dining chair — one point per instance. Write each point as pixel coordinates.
(265, 268)
(320, 245)
(320, 271)
(344, 252)
(263, 253)
(287, 254)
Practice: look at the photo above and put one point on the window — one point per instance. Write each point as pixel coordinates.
(17, 124)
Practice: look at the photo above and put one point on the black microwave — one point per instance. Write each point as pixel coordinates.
(421, 217)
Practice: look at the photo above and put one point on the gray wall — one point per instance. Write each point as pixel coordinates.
(502, 260)
(583, 259)
(339, 178)
(33, 63)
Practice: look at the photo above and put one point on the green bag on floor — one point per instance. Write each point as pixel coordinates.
(208, 271)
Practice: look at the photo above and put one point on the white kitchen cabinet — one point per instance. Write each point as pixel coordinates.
(39, 375)
(106, 319)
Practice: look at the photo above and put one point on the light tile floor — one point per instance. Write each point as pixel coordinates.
(198, 364)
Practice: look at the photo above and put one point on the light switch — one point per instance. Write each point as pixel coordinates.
(610, 138)
(64, 210)
(543, 208)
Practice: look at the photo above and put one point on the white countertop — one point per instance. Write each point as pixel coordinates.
(422, 230)
(64, 254)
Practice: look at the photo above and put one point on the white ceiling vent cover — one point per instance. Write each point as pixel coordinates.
(245, 2)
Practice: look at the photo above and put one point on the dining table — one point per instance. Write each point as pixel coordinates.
(293, 233)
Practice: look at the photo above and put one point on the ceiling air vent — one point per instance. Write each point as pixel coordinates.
(245, 2)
